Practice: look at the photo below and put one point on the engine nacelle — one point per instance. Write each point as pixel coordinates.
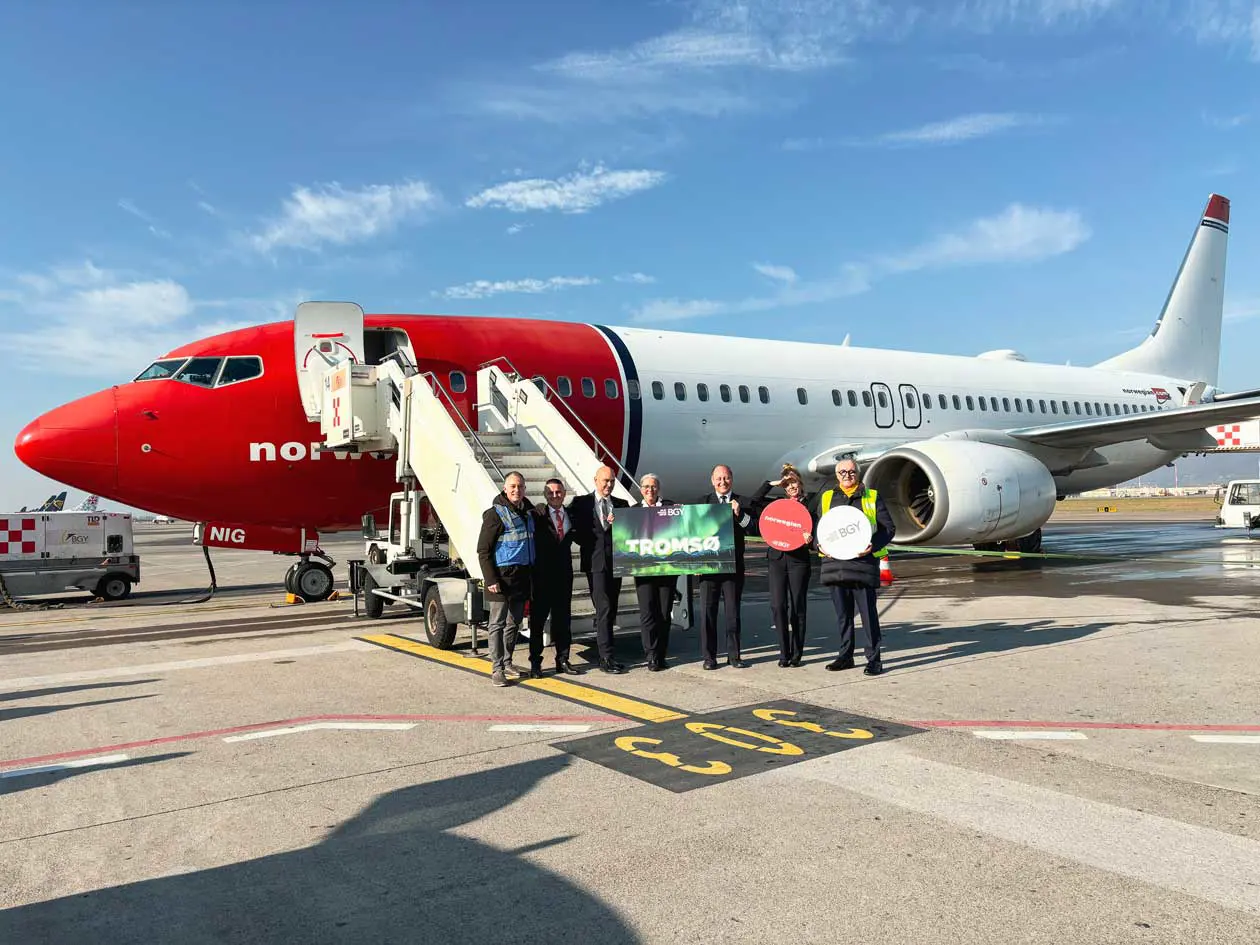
(962, 492)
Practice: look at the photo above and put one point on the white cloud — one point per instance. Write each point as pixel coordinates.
(778, 273)
(1017, 234)
(1243, 310)
(516, 228)
(483, 288)
(92, 322)
(331, 214)
(576, 193)
(962, 128)
(638, 278)
(1227, 122)
(139, 214)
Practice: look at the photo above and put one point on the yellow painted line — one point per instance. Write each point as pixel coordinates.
(588, 695)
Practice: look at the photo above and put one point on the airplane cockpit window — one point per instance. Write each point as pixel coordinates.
(199, 371)
(239, 369)
(159, 370)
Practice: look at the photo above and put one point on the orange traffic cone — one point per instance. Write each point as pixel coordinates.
(885, 572)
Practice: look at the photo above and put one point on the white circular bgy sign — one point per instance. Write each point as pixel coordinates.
(844, 532)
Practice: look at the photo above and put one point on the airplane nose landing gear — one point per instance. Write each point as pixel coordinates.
(311, 580)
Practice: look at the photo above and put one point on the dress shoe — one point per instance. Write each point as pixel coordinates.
(795, 661)
(737, 663)
(710, 664)
(662, 664)
(654, 667)
(784, 663)
(874, 669)
(564, 666)
(535, 671)
(840, 664)
(611, 667)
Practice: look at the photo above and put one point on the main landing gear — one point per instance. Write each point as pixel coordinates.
(1028, 545)
(311, 580)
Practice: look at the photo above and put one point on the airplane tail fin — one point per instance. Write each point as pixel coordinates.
(54, 503)
(1186, 342)
(89, 504)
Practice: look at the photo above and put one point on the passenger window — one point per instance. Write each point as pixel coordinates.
(1054, 406)
(802, 395)
(927, 401)
(909, 399)
(957, 402)
(1030, 405)
(680, 390)
(1097, 409)
(942, 402)
(564, 387)
(743, 393)
(764, 394)
(970, 403)
(236, 370)
(1019, 407)
(852, 398)
(984, 403)
(1077, 405)
(866, 398)
(632, 389)
(540, 382)
(458, 382)
(160, 370)
(588, 387)
(993, 401)
(882, 397)
(658, 390)
(1006, 405)
(724, 391)
(836, 398)
(1089, 412)
(199, 372)
(610, 389)
(702, 391)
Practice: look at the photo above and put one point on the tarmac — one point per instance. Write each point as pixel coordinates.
(1062, 749)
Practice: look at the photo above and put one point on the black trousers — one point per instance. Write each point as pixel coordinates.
(862, 599)
(726, 589)
(789, 589)
(552, 597)
(605, 589)
(656, 600)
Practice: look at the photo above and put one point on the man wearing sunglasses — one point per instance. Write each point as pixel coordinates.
(853, 582)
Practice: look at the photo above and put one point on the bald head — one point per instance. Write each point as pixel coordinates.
(604, 479)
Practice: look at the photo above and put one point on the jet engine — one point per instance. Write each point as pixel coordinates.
(962, 492)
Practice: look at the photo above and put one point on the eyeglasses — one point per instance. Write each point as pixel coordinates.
(847, 474)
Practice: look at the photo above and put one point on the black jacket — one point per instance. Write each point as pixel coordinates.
(552, 556)
(514, 580)
(863, 571)
(596, 544)
(807, 552)
(745, 509)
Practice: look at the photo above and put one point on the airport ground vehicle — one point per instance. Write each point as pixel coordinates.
(47, 553)
(1240, 505)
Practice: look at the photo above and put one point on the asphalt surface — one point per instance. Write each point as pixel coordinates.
(1063, 749)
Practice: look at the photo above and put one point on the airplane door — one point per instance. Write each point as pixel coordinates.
(324, 333)
(911, 407)
(885, 413)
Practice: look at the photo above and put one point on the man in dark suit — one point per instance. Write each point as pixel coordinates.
(552, 592)
(655, 593)
(727, 588)
(592, 516)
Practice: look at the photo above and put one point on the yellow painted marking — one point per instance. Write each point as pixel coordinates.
(772, 715)
(631, 744)
(610, 701)
(711, 729)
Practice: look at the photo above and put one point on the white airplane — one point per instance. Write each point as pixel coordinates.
(965, 450)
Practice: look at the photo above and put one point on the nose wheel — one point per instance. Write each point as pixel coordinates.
(310, 580)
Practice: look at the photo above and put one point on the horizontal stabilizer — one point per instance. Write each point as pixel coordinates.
(1104, 431)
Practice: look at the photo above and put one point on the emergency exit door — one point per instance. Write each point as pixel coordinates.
(885, 409)
(911, 406)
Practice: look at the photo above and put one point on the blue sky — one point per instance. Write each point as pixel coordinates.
(953, 176)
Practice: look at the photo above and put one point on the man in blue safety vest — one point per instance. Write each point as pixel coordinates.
(853, 582)
(505, 550)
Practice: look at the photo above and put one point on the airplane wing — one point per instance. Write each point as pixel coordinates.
(1181, 428)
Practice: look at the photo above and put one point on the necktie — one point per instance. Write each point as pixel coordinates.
(559, 516)
(726, 500)
(603, 513)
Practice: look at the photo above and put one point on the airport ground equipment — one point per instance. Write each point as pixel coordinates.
(48, 553)
(450, 467)
(1240, 505)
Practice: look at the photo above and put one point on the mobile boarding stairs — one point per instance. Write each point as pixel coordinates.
(449, 471)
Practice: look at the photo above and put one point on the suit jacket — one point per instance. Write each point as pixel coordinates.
(596, 544)
(745, 515)
(553, 556)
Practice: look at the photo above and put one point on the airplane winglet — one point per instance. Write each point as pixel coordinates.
(1217, 209)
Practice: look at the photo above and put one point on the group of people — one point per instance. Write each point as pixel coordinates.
(526, 555)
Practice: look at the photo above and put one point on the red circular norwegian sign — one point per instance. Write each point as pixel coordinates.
(784, 524)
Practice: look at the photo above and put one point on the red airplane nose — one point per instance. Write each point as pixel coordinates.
(76, 444)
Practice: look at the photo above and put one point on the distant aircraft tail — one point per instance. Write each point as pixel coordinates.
(89, 504)
(1186, 342)
(54, 503)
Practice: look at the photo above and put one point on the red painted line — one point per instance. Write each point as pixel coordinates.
(1131, 726)
(281, 723)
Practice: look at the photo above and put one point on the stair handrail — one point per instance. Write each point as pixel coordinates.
(611, 456)
(442, 395)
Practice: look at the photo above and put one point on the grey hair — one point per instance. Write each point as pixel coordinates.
(646, 476)
(516, 474)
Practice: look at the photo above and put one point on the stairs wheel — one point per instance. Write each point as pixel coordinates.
(373, 606)
(437, 628)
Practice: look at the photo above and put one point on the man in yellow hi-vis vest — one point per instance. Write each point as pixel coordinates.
(853, 582)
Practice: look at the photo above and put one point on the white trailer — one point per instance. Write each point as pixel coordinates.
(1240, 505)
(51, 552)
